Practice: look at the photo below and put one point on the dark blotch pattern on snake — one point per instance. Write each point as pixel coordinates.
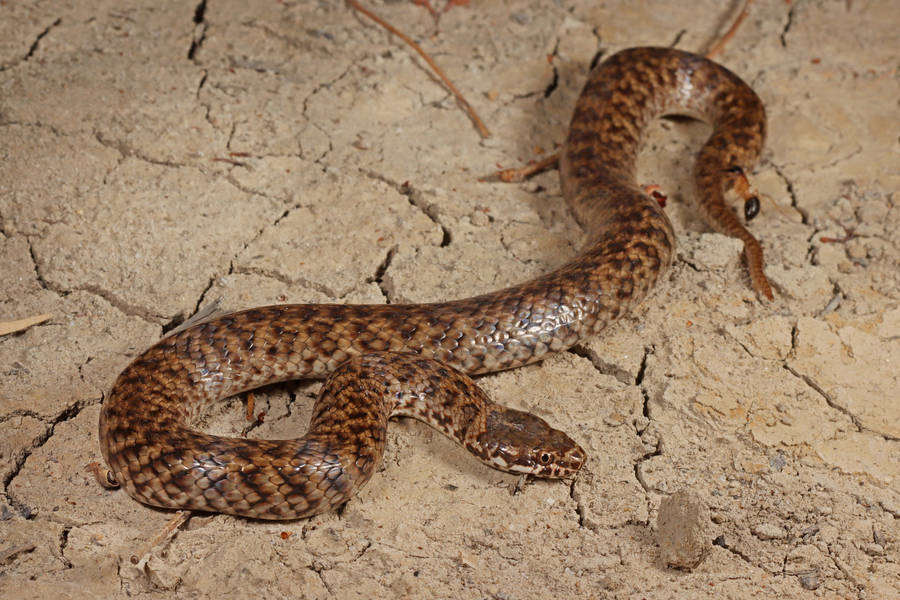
(412, 360)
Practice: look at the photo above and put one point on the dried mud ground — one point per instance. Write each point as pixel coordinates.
(159, 157)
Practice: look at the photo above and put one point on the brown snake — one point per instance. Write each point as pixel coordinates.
(387, 360)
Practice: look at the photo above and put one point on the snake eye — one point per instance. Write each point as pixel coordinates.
(751, 208)
(545, 458)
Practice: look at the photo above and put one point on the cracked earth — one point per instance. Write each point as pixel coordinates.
(159, 159)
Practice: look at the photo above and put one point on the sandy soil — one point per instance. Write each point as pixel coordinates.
(157, 158)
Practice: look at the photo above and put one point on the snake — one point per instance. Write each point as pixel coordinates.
(417, 360)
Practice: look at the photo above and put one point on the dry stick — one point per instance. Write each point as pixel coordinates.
(22, 324)
(517, 174)
(718, 46)
(251, 405)
(165, 533)
(459, 97)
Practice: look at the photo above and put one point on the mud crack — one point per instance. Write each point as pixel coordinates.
(378, 277)
(416, 199)
(67, 414)
(34, 46)
(200, 26)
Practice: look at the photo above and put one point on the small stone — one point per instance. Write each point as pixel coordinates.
(682, 527)
(809, 581)
(777, 462)
(641, 423)
(874, 549)
(809, 533)
(614, 420)
(521, 18)
(479, 218)
(769, 531)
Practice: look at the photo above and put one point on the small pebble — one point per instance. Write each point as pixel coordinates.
(479, 218)
(809, 581)
(521, 18)
(682, 530)
(778, 461)
(769, 531)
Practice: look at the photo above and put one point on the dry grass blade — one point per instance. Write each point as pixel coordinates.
(164, 534)
(7, 327)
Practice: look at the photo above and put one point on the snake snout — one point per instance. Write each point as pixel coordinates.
(561, 459)
(570, 461)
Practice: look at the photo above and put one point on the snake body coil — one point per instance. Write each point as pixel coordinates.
(404, 359)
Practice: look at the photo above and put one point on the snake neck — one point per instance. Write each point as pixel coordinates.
(622, 96)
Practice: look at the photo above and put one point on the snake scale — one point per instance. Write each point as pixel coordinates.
(414, 359)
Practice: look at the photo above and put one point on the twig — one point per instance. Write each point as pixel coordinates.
(849, 234)
(459, 97)
(251, 404)
(517, 174)
(165, 533)
(717, 47)
(22, 324)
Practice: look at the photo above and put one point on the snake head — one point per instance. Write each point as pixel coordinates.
(520, 442)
